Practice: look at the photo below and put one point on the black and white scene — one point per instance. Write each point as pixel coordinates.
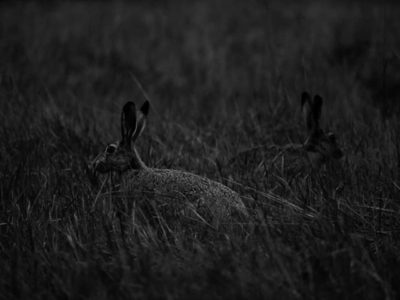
(200, 149)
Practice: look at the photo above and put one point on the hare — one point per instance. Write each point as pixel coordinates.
(318, 149)
(178, 190)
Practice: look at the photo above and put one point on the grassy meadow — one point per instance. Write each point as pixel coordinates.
(224, 79)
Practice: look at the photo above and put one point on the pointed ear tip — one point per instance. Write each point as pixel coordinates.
(304, 94)
(318, 99)
(145, 107)
(304, 97)
(129, 105)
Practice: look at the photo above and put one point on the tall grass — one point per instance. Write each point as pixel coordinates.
(223, 77)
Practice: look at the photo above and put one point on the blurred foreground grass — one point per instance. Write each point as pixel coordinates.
(223, 77)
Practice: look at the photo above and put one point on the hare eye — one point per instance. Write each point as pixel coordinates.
(110, 149)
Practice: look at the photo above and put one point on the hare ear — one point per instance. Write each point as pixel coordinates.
(128, 123)
(306, 109)
(142, 118)
(316, 110)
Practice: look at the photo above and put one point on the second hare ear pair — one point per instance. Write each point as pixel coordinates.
(133, 122)
(311, 109)
(320, 146)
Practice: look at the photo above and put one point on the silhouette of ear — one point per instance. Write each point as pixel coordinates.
(316, 110)
(142, 119)
(306, 108)
(128, 123)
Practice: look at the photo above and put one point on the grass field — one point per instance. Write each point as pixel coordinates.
(223, 77)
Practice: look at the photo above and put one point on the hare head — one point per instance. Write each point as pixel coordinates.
(320, 146)
(121, 155)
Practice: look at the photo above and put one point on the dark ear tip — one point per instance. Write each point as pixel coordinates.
(305, 94)
(304, 97)
(318, 99)
(129, 106)
(145, 108)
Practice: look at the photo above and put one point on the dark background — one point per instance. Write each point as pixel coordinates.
(223, 77)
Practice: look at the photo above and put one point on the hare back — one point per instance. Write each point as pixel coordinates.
(260, 159)
(184, 186)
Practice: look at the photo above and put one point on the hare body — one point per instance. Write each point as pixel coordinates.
(178, 190)
(205, 196)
